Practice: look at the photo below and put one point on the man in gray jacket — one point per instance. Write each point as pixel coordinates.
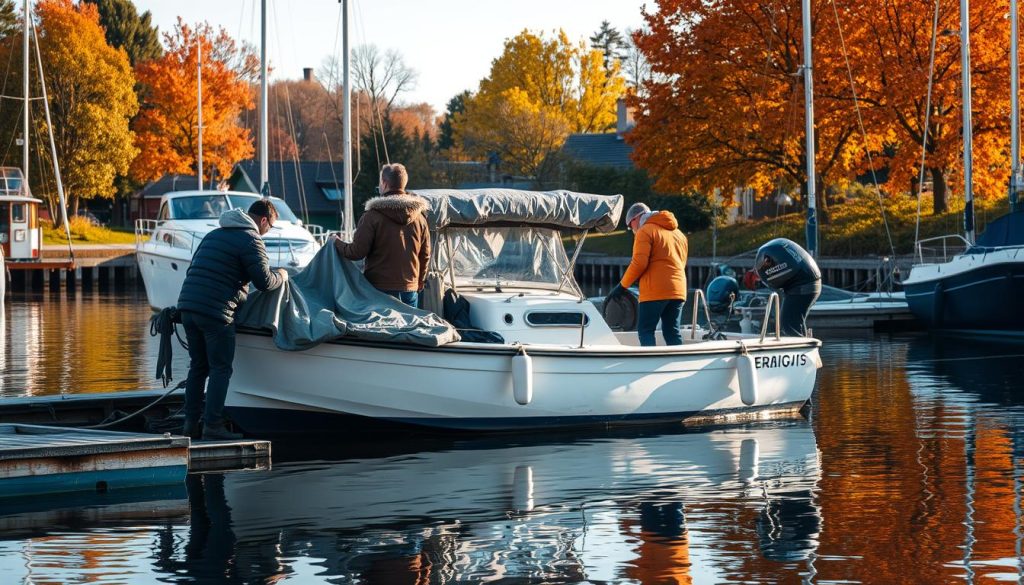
(226, 261)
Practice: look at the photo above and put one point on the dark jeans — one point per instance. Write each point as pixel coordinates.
(211, 348)
(410, 298)
(668, 312)
(795, 307)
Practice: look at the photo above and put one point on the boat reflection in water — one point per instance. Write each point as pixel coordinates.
(731, 505)
(654, 508)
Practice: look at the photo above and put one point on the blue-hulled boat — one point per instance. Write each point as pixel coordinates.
(978, 289)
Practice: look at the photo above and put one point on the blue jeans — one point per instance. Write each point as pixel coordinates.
(410, 298)
(668, 312)
(211, 349)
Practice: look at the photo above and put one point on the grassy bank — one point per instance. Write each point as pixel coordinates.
(85, 232)
(856, 229)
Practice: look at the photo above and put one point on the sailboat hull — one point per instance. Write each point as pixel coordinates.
(975, 292)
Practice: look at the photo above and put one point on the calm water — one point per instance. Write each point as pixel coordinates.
(909, 471)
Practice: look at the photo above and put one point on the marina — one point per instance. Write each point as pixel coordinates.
(617, 308)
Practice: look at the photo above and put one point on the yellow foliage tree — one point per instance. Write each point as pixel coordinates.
(90, 90)
(538, 91)
(167, 126)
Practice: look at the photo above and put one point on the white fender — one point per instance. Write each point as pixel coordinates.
(747, 374)
(522, 377)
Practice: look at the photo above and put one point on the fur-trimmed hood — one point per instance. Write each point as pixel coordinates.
(401, 208)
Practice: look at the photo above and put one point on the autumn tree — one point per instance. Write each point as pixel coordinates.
(724, 107)
(91, 100)
(126, 29)
(167, 126)
(889, 44)
(538, 91)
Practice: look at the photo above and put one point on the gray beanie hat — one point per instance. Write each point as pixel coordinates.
(636, 210)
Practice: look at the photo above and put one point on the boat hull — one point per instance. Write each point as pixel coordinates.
(163, 276)
(346, 386)
(984, 297)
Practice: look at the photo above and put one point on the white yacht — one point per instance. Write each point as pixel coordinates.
(164, 246)
(558, 363)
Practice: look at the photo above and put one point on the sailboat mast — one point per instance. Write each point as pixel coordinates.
(264, 163)
(347, 228)
(965, 81)
(24, 79)
(1015, 171)
(811, 226)
(199, 91)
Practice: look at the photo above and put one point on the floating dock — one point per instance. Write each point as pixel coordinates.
(46, 460)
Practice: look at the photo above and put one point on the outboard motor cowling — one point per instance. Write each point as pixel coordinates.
(721, 293)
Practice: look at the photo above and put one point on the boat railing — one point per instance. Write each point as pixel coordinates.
(319, 232)
(941, 248)
(154, 231)
(699, 300)
(773, 304)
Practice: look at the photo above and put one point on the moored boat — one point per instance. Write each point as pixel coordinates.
(164, 246)
(559, 364)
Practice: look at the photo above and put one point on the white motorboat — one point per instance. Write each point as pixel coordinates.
(837, 309)
(559, 365)
(164, 246)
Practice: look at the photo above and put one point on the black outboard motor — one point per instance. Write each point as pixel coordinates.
(722, 293)
(785, 266)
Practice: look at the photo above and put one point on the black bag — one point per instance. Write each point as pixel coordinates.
(456, 312)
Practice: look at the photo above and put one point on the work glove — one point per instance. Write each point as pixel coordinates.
(617, 290)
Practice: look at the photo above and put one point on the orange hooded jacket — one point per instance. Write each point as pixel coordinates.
(659, 259)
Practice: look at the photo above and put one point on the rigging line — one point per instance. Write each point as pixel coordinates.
(863, 132)
(927, 121)
(290, 121)
(361, 25)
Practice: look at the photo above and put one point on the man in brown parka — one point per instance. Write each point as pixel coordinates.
(393, 237)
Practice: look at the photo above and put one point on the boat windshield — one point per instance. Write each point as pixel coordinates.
(486, 255)
(211, 206)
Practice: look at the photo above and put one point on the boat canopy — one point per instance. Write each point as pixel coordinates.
(556, 209)
(1002, 232)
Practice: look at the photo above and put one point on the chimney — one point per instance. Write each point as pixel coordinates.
(307, 74)
(625, 118)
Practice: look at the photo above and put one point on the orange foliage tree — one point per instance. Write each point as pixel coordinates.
(167, 126)
(889, 45)
(725, 109)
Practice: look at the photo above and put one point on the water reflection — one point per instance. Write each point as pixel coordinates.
(920, 446)
(731, 505)
(92, 342)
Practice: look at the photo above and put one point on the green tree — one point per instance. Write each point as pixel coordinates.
(127, 29)
(9, 21)
(456, 105)
(611, 43)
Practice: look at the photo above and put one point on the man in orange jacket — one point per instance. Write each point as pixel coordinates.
(659, 262)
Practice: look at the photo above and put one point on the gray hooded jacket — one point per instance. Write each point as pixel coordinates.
(227, 259)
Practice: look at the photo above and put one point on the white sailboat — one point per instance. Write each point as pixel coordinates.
(164, 246)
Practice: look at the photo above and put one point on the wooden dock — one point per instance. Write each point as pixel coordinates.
(44, 460)
(106, 267)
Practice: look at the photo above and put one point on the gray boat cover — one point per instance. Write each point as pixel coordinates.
(557, 209)
(331, 298)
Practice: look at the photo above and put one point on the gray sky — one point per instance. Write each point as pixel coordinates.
(450, 43)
